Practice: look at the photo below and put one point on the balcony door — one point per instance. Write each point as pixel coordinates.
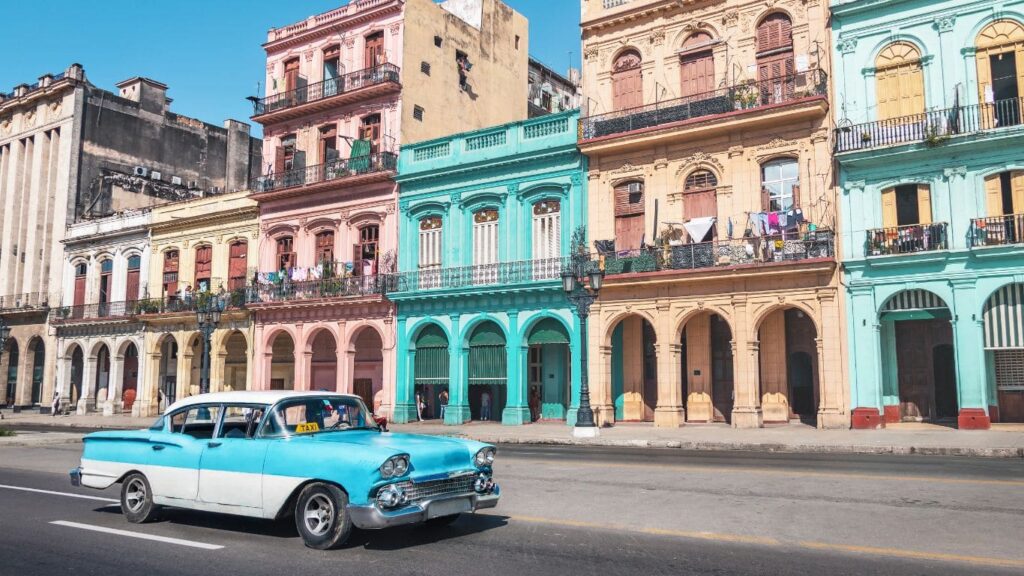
(328, 144)
(627, 81)
(373, 54)
(325, 247)
(291, 75)
(332, 69)
(899, 81)
(430, 244)
(547, 239)
(365, 253)
(204, 268)
(697, 67)
(81, 272)
(106, 280)
(369, 130)
(170, 277)
(285, 253)
(629, 215)
(906, 205)
(485, 246)
(700, 201)
(1000, 62)
(775, 67)
(132, 279)
(237, 264)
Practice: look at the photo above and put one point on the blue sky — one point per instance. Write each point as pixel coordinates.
(207, 51)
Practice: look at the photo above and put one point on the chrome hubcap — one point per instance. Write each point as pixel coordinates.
(135, 495)
(319, 514)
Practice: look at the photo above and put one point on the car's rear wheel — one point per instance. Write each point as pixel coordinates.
(137, 499)
(441, 521)
(321, 516)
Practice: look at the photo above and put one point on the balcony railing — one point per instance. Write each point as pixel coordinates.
(481, 275)
(28, 301)
(907, 239)
(722, 253)
(90, 312)
(932, 128)
(230, 300)
(335, 287)
(748, 96)
(997, 230)
(333, 170)
(327, 88)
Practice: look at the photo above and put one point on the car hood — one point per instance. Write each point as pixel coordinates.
(428, 454)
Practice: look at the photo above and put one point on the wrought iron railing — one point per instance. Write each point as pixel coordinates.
(333, 170)
(721, 253)
(932, 128)
(28, 301)
(333, 287)
(482, 275)
(228, 300)
(745, 96)
(997, 230)
(98, 311)
(907, 239)
(327, 88)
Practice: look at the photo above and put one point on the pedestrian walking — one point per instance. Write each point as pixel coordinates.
(485, 406)
(419, 407)
(534, 403)
(443, 398)
(55, 403)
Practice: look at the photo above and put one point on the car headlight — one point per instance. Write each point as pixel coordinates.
(395, 466)
(484, 457)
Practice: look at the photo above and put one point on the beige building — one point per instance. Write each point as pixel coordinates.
(200, 249)
(710, 174)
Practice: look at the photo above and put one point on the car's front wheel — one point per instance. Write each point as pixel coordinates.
(137, 499)
(321, 516)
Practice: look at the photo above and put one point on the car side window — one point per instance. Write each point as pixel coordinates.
(241, 421)
(198, 422)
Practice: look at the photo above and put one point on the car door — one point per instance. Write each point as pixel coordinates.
(173, 468)
(231, 469)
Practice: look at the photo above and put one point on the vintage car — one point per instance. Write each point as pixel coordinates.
(317, 456)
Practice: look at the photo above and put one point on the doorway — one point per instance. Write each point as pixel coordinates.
(944, 370)
(1005, 91)
(722, 390)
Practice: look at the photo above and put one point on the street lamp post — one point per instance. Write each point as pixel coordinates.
(581, 280)
(208, 313)
(5, 333)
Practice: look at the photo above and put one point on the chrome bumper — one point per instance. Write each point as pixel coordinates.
(373, 518)
(76, 476)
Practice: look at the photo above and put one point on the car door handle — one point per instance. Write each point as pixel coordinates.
(213, 444)
(158, 447)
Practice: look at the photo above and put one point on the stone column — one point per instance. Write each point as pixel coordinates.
(698, 365)
(87, 403)
(746, 412)
(773, 384)
(603, 404)
(112, 403)
(575, 360)
(968, 345)
(668, 412)
(866, 367)
(343, 372)
(388, 369)
(405, 378)
(458, 377)
(516, 411)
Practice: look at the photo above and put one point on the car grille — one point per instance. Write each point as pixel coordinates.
(438, 488)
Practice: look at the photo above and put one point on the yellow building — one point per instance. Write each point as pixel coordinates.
(707, 131)
(200, 249)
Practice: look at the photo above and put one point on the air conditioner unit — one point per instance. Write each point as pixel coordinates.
(154, 175)
(176, 180)
(141, 171)
(635, 187)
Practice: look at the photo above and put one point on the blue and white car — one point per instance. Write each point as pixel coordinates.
(319, 457)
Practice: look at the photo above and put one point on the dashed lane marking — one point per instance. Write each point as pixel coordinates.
(139, 535)
(56, 493)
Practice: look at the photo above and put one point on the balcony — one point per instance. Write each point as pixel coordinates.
(29, 302)
(725, 106)
(489, 276)
(313, 98)
(190, 303)
(997, 231)
(908, 239)
(931, 128)
(721, 254)
(339, 287)
(357, 170)
(89, 313)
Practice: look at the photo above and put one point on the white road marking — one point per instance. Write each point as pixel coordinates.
(55, 493)
(165, 539)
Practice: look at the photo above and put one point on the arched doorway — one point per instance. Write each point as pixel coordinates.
(324, 362)
(236, 361)
(38, 350)
(918, 357)
(77, 371)
(102, 374)
(282, 362)
(707, 368)
(130, 376)
(12, 371)
(697, 65)
(430, 372)
(368, 369)
(627, 81)
(787, 357)
(548, 377)
(634, 370)
(167, 372)
(1004, 350)
(487, 372)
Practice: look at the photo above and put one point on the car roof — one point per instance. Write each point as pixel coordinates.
(249, 397)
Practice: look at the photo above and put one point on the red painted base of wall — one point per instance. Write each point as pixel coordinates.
(973, 419)
(993, 412)
(866, 419)
(892, 414)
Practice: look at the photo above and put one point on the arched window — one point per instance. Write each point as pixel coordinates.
(238, 259)
(899, 81)
(485, 237)
(700, 201)
(132, 278)
(325, 246)
(627, 81)
(629, 215)
(697, 65)
(1000, 59)
(365, 253)
(775, 58)
(430, 242)
(780, 185)
(81, 273)
(204, 268)
(170, 277)
(285, 253)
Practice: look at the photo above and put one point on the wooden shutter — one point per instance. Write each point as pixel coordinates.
(291, 75)
(700, 203)
(796, 195)
(697, 73)
(237, 264)
(628, 203)
(924, 204)
(994, 195)
(766, 199)
(132, 292)
(627, 81)
(774, 32)
(325, 246)
(279, 159)
(629, 231)
(889, 208)
(1017, 190)
(79, 291)
(374, 52)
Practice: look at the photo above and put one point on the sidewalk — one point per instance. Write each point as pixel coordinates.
(1003, 441)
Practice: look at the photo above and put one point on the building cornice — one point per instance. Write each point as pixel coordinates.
(330, 23)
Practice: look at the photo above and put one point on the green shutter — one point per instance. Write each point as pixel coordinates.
(359, 160)
(487, 356)
(431, 357)
(548, 331)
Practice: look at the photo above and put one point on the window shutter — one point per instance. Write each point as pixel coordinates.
(994, 195)
(796, 195)
(357, 260)
(765, 199)
(623, 204)
(279, 159)
(889, 208)
(1017, 189)
(924, 204)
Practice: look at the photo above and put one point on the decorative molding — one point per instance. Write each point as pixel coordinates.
(945, 23)
(590, 52)
(512, 188)
(395, 28)
(576, 180)
(775, 143)
(853, 185)
(847, 45)
(698, 159)
(731, 18)
(456, 198)
(949, 173)
(820, 135)
(735, 151)
(626, 168)
(403, 205)
(389, 209)
(657, 37)
(350, 42)
(308, 54)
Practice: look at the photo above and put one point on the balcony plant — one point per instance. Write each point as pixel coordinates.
(865, 136)
(934, 135)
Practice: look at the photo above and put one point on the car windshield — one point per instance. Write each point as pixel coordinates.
(310, 415)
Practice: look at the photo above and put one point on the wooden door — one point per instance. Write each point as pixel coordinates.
(697, 68)
(629, 216)
(328, 144)
(80, 279)
(204, 267)
(130, 379)
(132, 281)
(899, 82)
(373, 54)
(291, 75)
(325, 246)
(774, 76)
(627, 81)
(285, 255)
(170, 273)
(237, 264)
(370, 131)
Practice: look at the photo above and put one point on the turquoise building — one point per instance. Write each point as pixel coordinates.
(930, 156)
(485, 221)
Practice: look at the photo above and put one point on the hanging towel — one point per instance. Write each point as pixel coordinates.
(773, 220)
(755, 224)
(698, 228)
(782, 220)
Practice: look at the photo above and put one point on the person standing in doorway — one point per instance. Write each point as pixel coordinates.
(419, 407)
(534, 403)
(485, 406)
(443, 399)
(55, 404)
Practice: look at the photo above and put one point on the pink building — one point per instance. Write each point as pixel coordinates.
(344, 90)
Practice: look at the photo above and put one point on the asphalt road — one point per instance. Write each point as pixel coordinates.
(571, 511)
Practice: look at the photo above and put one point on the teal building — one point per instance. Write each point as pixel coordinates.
(485, 222)
(929, 147)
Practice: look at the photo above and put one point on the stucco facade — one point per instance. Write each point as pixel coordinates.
(932, 191)
(485, 222)
(709, 149)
